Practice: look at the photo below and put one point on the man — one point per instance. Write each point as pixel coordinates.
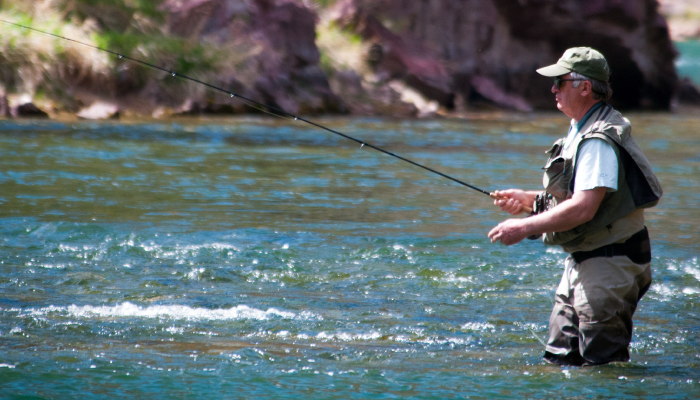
(597, 184)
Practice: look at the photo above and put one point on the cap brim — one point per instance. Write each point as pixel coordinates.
(553, 70)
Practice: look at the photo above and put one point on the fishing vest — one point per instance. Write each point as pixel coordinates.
(621, 213)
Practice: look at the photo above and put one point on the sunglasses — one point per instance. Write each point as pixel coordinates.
(558, 81)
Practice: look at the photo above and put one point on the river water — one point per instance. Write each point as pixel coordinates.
(247, 258)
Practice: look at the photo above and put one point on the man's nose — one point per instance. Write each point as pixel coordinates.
(555, 89)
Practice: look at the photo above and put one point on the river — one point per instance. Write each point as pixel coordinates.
(262, 258)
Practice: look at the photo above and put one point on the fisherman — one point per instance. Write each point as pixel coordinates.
(597, 184)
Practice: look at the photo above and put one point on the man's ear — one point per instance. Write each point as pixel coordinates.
(587, 88)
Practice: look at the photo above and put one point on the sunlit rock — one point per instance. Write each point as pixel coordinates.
(485, 90)
(99, 110)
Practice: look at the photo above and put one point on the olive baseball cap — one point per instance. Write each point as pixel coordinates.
(584, 60)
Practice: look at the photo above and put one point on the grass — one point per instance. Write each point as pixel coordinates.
(31, 62)
(37, 66)
(340, 49)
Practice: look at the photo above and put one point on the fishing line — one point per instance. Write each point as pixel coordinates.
(533, 332)
(262, 107)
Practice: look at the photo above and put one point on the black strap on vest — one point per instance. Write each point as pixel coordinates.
(637, 248)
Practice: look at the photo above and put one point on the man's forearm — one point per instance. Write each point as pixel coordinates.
(568, 214)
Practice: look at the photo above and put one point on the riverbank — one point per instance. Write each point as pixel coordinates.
(390, 58)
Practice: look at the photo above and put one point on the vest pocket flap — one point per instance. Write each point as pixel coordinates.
(554, 165)
(556, 147)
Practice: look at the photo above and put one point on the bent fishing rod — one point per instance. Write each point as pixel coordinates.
(266, 108)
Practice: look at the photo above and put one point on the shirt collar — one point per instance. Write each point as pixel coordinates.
(590, 112)
(576, 126)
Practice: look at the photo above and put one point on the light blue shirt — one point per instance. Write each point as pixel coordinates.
(596, 163)
(596, 166)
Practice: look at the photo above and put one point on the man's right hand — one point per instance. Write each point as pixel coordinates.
(513, 200)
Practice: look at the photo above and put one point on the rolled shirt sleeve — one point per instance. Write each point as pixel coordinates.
(596, 166)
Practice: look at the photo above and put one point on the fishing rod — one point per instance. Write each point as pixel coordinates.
(263, 107)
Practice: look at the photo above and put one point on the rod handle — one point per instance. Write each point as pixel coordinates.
(525, 208)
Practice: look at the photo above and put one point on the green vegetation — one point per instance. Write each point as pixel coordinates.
(324, 3)
(340, 49)
(37, 66)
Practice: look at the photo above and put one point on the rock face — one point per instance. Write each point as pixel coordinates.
(688, 93)
(404, 57)
(285, 57)
(488, 50)
(407, 57)
(682, 18)
(4, 105)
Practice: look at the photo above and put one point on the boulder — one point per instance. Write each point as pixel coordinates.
(28, 110)
(283, 70)
(688, 93)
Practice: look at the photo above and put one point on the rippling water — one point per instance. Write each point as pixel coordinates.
(244, 258)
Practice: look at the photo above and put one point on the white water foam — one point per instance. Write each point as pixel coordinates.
(176, 312)
(554, 250)
(370, 336)
(178, 250)
(694, 271)
(348, 337)
(667, 291)
(478, 327)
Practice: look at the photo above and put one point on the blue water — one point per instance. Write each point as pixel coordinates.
(688, 62)
(256, 258)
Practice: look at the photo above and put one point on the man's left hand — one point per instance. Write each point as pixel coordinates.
(509, 232)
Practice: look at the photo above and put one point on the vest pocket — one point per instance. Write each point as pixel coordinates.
(556, 177)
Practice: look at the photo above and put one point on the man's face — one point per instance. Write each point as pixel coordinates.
(569, 99)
